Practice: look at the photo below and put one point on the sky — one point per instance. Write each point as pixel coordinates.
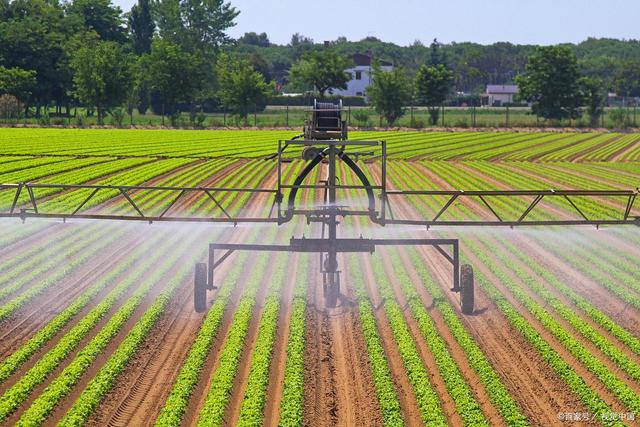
(404, 21)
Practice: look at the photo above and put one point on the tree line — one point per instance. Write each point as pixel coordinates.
(173, 56)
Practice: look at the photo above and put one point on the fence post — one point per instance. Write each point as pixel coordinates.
(443, 116)
(224, 118)
(349, 116)
(602, 118)
(255, 119)
(507, 121)
(287, 119)
(635, 107)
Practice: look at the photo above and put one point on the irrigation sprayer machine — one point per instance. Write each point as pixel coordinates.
(325, 141)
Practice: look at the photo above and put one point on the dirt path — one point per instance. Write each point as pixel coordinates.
(339, 388)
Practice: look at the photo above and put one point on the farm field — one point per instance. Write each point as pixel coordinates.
(97, 325)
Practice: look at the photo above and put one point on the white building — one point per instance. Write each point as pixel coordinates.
(498, 95)
(360, 75)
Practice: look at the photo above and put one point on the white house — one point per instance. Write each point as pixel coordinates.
(360, 75)
(497, 95)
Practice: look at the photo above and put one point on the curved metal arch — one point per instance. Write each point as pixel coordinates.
(312, 164)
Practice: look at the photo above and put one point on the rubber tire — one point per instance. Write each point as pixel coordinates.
(200, 288)
(333, 291)
(466, 289)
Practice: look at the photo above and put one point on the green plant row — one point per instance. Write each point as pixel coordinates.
(98, 387)
(187, 379)
(47, 261)
(382, 379)
(292, 400)
(586, 330)
(252, 408)
(500, 397)
(189, 375)
(62, 385)
(457, 387)
(47, 332)
(135, 176)
(14, 304)
(498, 393)
(576, 383)
(218, 395)
(596, 315)
(292, 403)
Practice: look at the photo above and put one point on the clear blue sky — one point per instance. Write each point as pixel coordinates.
(403, 21)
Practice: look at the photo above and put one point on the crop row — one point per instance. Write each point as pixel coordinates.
(292, 403)
(46, 261)
(219, 393)
(552, 357)
(292, 400)
(97, 388)
(14, 304)
(499, 395)
(61, 385)
(250, 143)
(47, 332)
(382, 379)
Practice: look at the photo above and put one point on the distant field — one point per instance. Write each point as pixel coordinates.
(535, 146)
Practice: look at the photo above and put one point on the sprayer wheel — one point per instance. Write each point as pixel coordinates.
(200, 288)
(466, 289)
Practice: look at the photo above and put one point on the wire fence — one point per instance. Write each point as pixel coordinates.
(363, 117)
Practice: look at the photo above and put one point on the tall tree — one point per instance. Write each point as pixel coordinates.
(255, 39)
(551, 82)
(102, 76)
(436, 54)
(196, 25)
(100, 16)
(626, 81)
(33, 34)
(141, 27)
(17, 82)
(242, 89)
(321, 71)
(433, 85)
(389, 92)
(593, 93)
(172, 74)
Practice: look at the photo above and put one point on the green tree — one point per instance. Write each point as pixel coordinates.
(432, 85)
(551, 82)
(172, 74)
(626, 81)
(593, 92)
(33, 34)
(17, 82)
(100, 16)
(141, 27)
(102, 76)
(242, 89)
(321, 71)
(195, 25)
(389, 92)
(255, 39)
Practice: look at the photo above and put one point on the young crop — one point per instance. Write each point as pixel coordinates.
(61, 386)
(16, 359)
(105, 378)
(187, 380)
